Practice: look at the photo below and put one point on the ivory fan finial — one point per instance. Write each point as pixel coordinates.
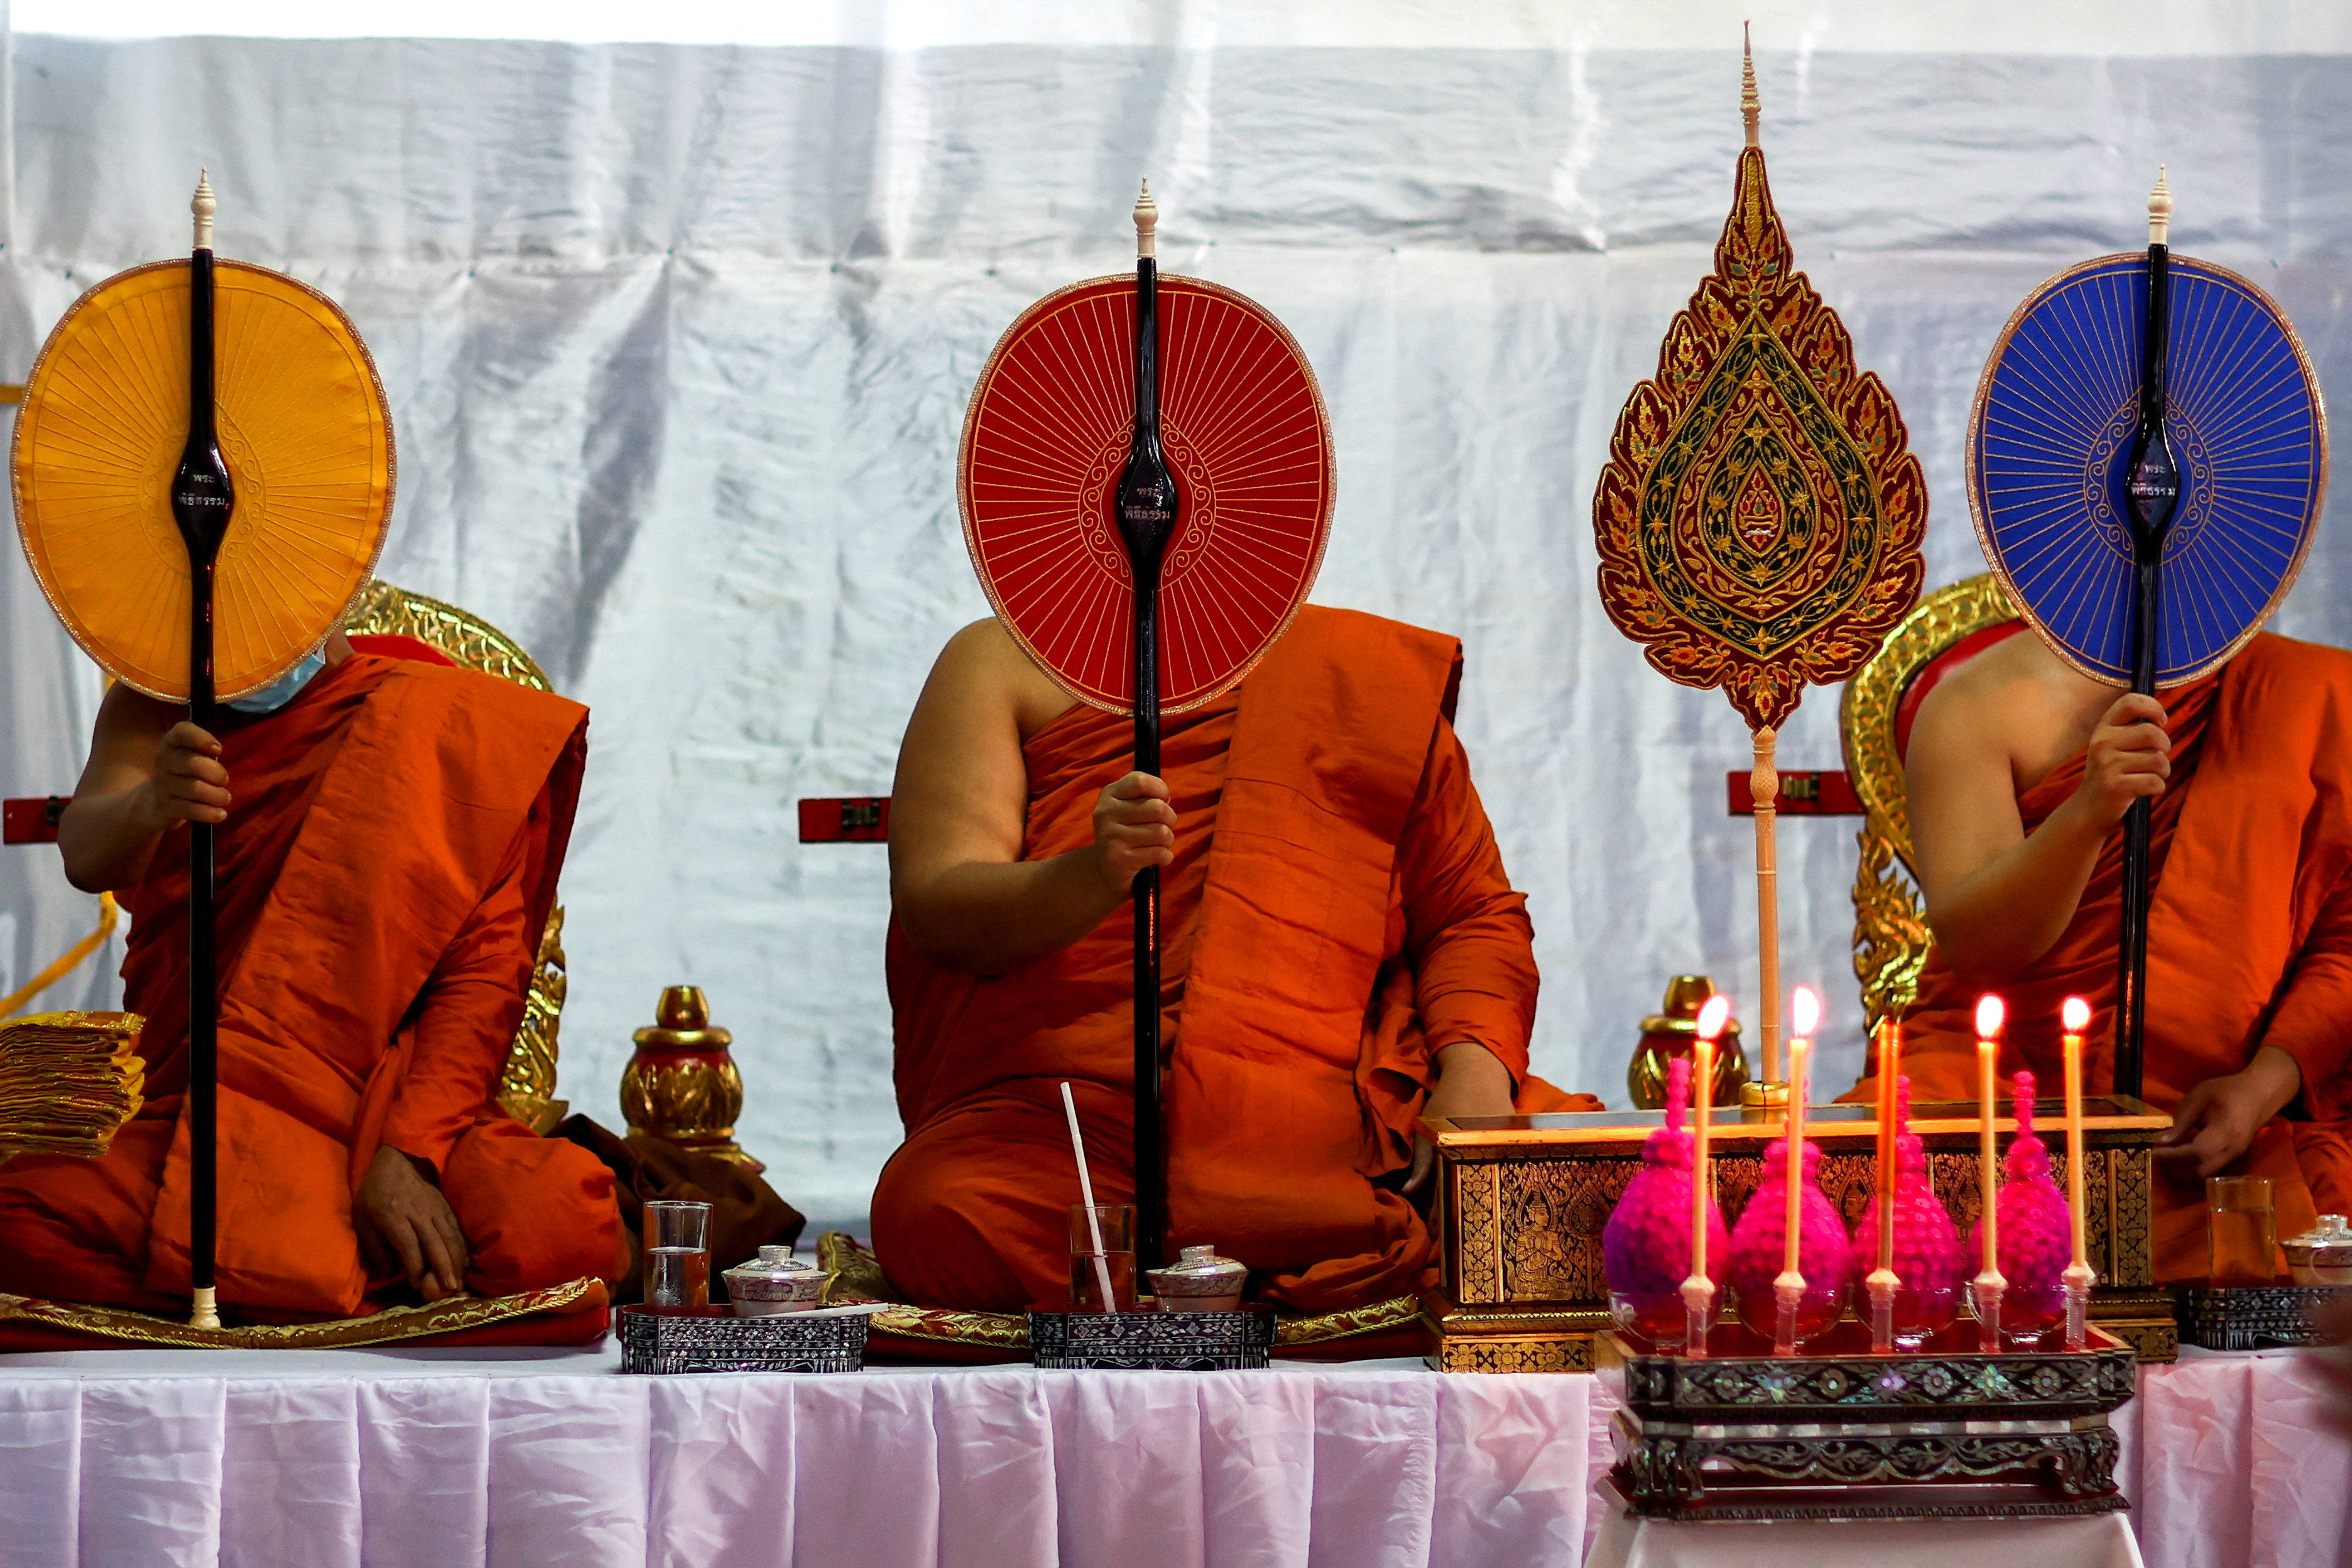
(1146, 222)
(204, 205)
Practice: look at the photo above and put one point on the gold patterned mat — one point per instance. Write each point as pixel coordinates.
(852, 1274)
(390, 1326)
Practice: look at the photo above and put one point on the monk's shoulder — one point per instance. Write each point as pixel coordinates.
(1328, 624)
(2291, 658)
(2286, 688)
(1999, 687)
(1371, 642)
(451, 689)
(983, 664)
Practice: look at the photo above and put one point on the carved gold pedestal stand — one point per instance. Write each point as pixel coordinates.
(681, 1086)
(1522, 1200)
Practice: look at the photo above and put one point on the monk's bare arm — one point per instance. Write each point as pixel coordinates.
(149, 771)
(1998, 899)
(959, 811)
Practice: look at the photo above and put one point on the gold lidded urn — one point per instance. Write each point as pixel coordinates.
(681, 1086)
(1668, 1033)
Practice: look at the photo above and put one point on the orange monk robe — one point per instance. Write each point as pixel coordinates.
(2250, 936)
(384, 876)
(1335, 913)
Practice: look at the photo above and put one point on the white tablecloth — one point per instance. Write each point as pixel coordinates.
(556, 1460)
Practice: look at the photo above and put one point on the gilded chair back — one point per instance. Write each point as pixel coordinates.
(391, 620)
(1891, 939)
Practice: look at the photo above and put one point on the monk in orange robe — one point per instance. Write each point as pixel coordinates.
(1342, 953)
(387, 847)
(2020, 774)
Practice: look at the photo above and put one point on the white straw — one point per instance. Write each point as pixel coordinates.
(1087, 1192)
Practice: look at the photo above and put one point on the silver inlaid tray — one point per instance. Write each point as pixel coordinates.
(712, 1339)
(2255, 1317)
(1153, 1340)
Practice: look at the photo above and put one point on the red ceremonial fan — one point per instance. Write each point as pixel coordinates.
(1047, 441)
(1145, 483)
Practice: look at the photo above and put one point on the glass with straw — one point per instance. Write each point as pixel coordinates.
(1090, 1257)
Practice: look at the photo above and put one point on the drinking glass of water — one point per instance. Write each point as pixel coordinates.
(1114, 1264)
(677, 1254)
(2244, 1231)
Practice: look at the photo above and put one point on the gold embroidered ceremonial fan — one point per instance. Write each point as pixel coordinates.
(202, 471)
(1760, 517)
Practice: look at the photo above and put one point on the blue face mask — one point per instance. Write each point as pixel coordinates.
(283, 690)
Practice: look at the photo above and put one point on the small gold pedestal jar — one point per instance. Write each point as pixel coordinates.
(681, 1086)
(1668, 1033)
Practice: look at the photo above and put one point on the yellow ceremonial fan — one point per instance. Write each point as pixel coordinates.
(305, 432)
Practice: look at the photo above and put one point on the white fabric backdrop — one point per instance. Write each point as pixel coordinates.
(445, 1459)
(678, 339)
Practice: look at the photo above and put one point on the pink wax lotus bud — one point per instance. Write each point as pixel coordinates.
(1758, 1246)
(1929, 1267)
(2035, 1240)
(1645, 1252)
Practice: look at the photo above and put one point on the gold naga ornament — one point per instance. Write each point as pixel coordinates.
(1760, 518)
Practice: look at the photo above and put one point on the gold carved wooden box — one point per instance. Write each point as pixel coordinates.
(1522, 1200)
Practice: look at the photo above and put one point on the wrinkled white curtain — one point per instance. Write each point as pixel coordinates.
(679, 337)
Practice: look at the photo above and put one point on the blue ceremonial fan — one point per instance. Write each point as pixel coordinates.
(2052, 440)
(2146, 461)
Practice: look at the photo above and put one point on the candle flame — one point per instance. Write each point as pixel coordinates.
(1713, 1015)
(1805, 1012)
(1990, 1013)
(2076, 1014)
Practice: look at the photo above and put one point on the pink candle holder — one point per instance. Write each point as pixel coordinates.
(2034, 1240)
(1758, 1245)
(1929, 1267)
(1646, 1248)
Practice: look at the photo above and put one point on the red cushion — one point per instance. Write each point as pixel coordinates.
(396, 645)
(1942, 665)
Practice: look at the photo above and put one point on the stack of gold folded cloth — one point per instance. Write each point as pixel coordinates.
(67, 1081)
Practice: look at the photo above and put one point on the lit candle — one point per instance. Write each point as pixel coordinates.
(1804, 1013)
(1890, 1064)
(1712, 1017)
(1988, 1021)
(2076, 1014)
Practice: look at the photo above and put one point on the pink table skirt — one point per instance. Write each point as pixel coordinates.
(338, 1459)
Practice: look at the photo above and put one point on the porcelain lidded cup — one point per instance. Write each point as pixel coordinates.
(1200, 1281)
(772, 1283)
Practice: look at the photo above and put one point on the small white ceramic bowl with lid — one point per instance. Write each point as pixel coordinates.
(772, 1283)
